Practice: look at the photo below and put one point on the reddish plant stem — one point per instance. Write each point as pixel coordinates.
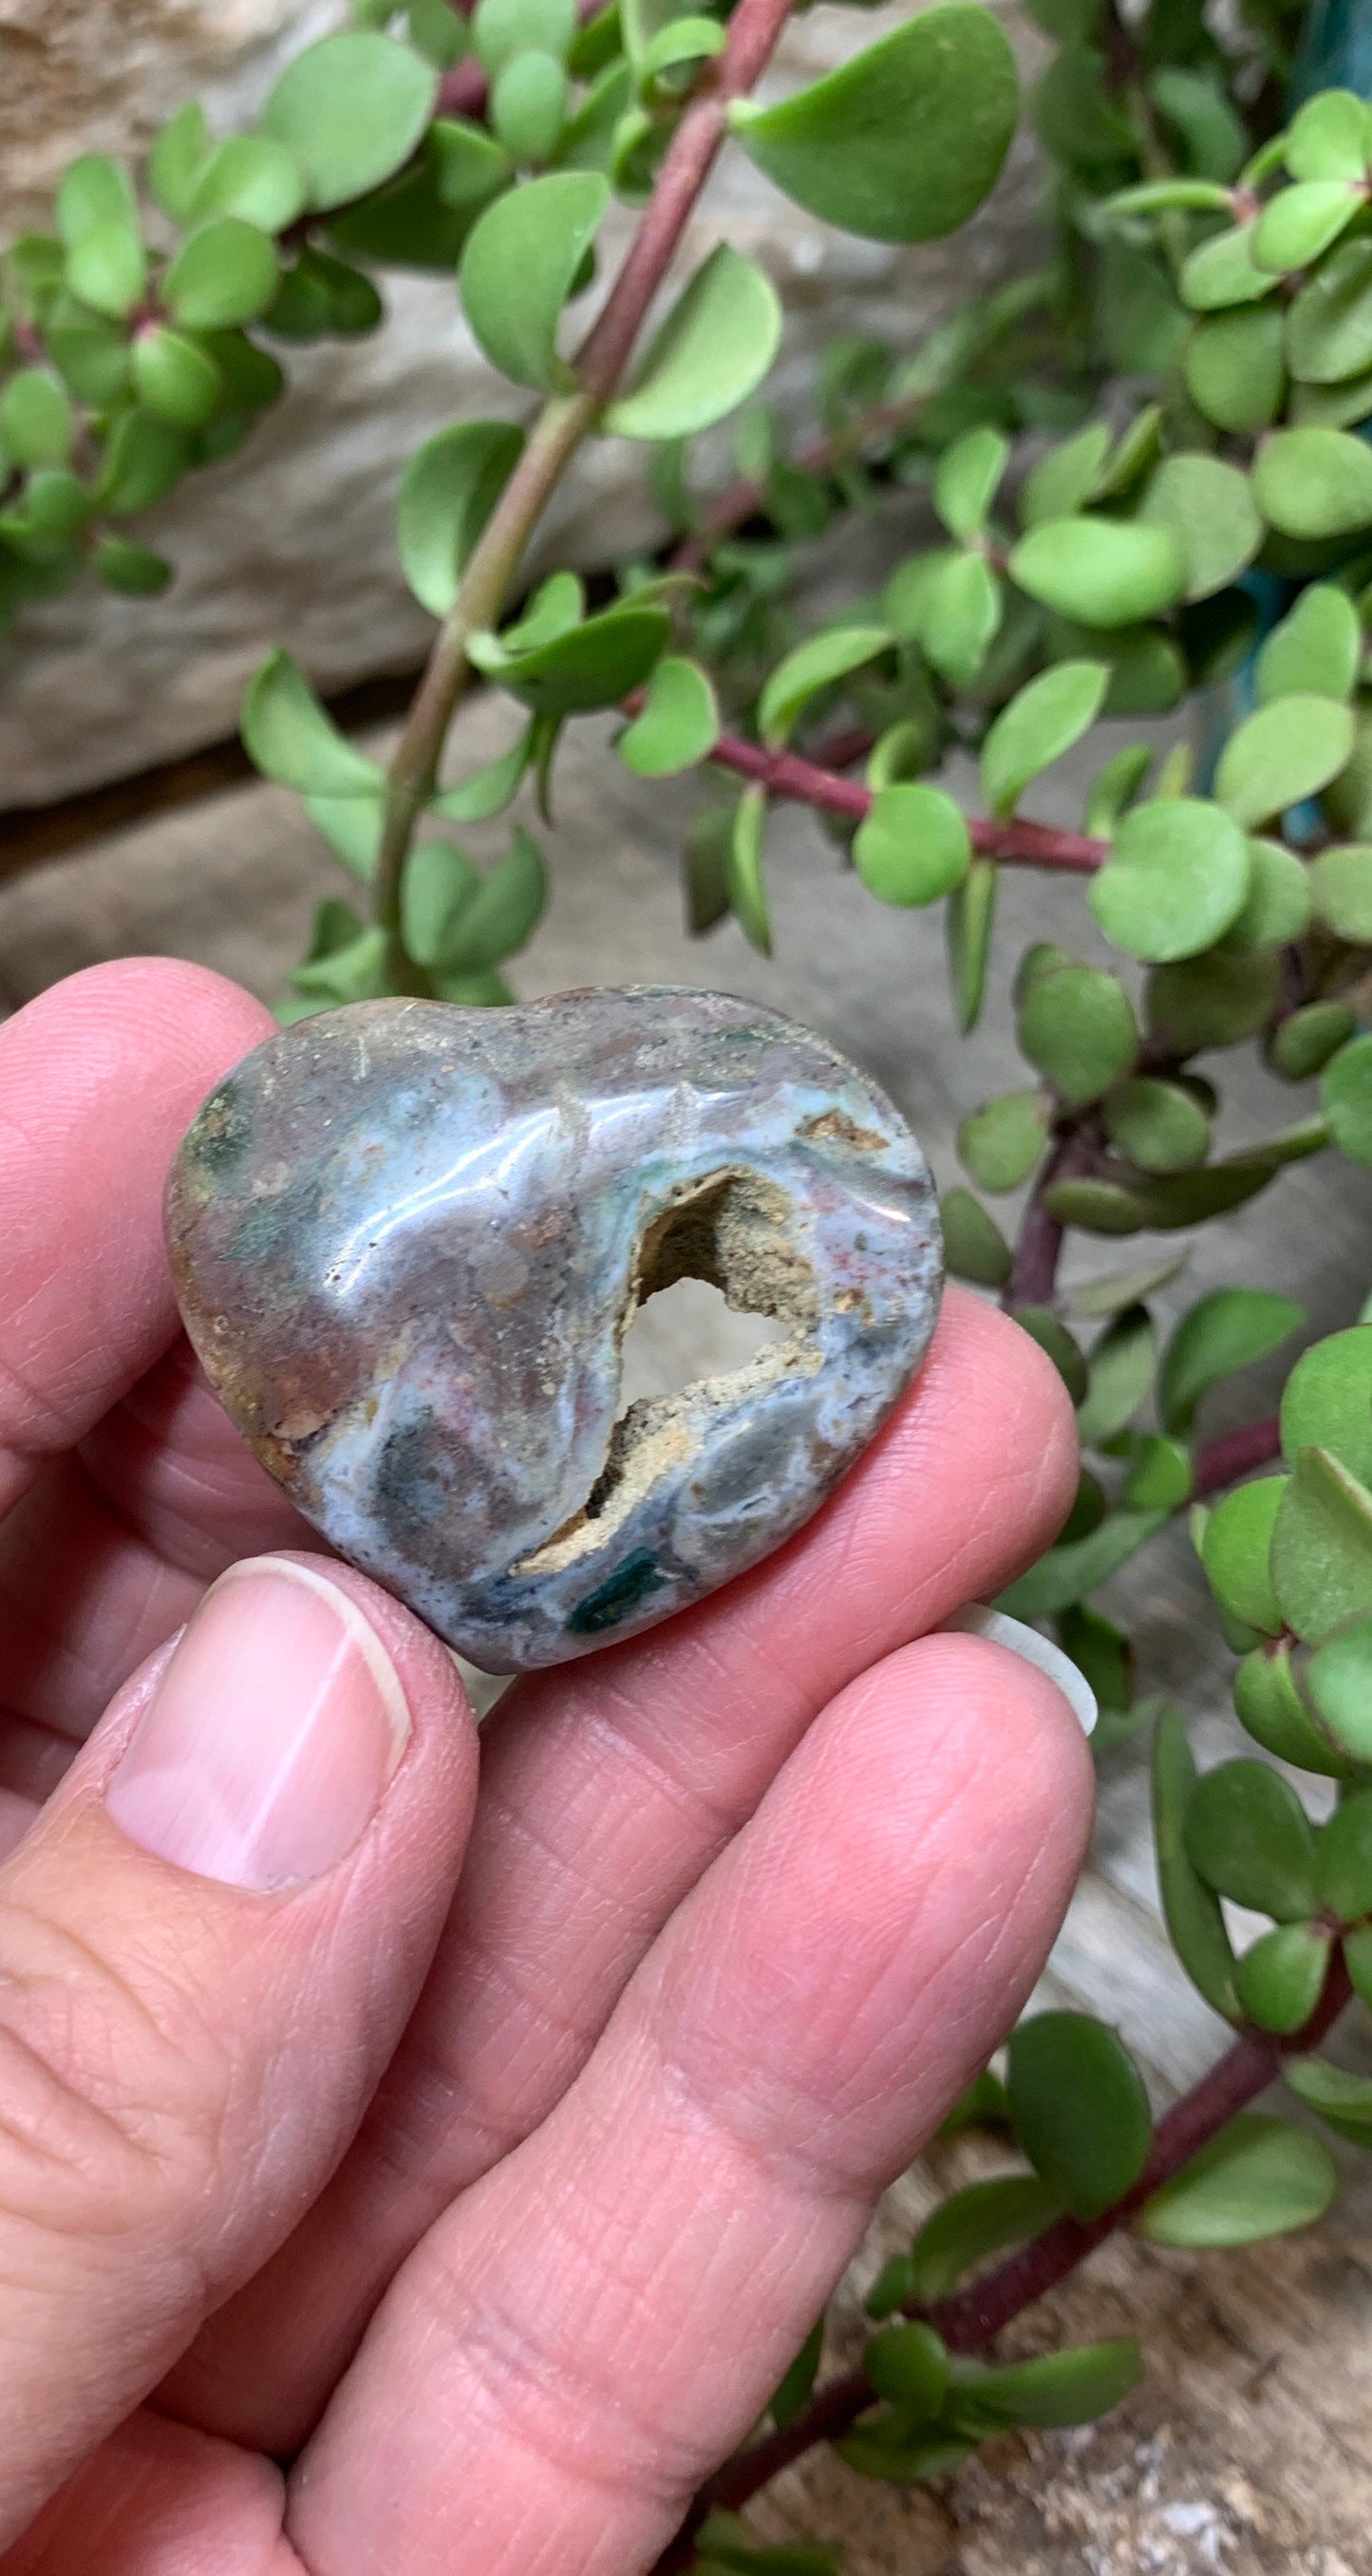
(738, 501)
(1034, 1277)
(787, 775)
(971, 2318)
(754, 31)
(464, 88)
(1223, 1461)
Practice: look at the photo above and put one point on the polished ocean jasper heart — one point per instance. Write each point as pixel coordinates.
(408, 1240)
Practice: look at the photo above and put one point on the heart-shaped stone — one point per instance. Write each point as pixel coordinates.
(408, 1239)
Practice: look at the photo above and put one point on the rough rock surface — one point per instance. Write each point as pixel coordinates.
(291, 541)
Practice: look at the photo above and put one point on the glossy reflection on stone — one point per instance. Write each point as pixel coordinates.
(408, 1240)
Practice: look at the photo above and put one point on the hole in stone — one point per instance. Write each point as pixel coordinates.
(720, 1296)
(683, 1334)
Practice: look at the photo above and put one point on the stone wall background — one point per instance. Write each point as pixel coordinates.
(291, 541)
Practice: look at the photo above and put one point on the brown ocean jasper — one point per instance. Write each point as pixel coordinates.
(408, 1239)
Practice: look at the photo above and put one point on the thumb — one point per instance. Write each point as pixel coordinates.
(209, 1945)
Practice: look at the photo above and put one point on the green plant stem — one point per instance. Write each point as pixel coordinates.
(558, 432)
(553, 441)
(971, 2318)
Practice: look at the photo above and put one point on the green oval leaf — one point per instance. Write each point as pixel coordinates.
(1259, 2178)
(1329, 321)
(519, 266)
(590, 665)
(902, 143)
(1250, 1839)
(1327, 1402)
(913, 847)
(1314, 482)
(966, 478)
(1339, 1680)
(1055, 2388)
(94, 191)
(224, 274)
(1297, 226)
(1303, 1043)
(1158, 1125)
(1079, 2109)
(744, 881)
(1001, 1143)
(969, 924)
(1235, 367)
(1041, 722)
(1208, 509)
(1328, 137)
(528, 104)
(179, 153)
(1101, 572)
(175, 380)
(1322, 1546)
(972, 2224)
(1229, 1329)
(1343, 1863)
(1268, 1703)
(1341, 891)
(1281, 753)
(501, 914)
(290, 738)
(679, 724)
(712, 351)
(908, 2365)
(447, 493)
(973, 1245)
(108, 269)
(1192, 1911)
(814, 665)
(1223, 271)
(1346, 1098)
(1177, 877)
(249, 176)
(349, 111)
(1281, 1978)
(1213, 1000)
(1076, 1024)
(1316, 648)
(37, 426)
(1236, 1551)
(1344, 2101)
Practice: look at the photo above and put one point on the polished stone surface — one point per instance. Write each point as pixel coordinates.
(408, 1240)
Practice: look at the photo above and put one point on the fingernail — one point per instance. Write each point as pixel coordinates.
(978, 1621)
(264, 1751)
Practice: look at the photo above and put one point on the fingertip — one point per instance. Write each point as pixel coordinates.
(1016, 1388)
(190, 1012)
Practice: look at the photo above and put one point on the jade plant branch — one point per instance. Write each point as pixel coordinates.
(565, 421)
(971, 2318)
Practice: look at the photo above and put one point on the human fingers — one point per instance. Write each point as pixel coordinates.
(585, 2334)
(98, 1079)
(606, 1789)
(209, 1944)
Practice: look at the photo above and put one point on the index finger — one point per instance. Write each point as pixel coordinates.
(99, 1078)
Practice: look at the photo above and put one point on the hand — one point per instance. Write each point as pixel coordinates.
(494, 2204)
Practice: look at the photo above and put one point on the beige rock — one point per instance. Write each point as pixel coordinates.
(291, 541)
